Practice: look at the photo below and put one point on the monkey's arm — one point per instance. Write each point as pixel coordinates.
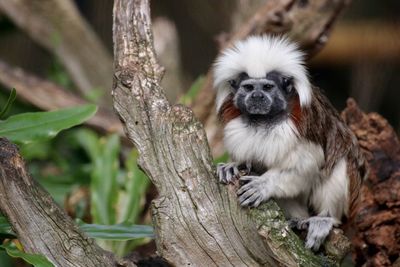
(273, 183)
(291, 175)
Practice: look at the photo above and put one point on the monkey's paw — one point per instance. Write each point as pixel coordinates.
(299, 224)
(227, 172)
(254, 191)
(318, 229)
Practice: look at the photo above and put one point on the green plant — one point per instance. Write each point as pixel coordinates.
(34, 259)
(37, 133)
(193, 91)
(117, 193)
(38, 126)
(116, 232)
(9, 102)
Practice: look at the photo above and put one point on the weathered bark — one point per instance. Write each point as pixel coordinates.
(41, 225)
(49, 96)
(307, 22)
(376, 242)
(58, 26)
(197, 220)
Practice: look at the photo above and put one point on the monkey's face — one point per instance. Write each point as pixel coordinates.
(262, 97)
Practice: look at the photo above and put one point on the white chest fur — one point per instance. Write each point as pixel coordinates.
(267, 146)
(277, 147)
(281, 149)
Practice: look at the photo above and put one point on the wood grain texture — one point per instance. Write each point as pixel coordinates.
(198, 221)
(40, 224)
(377, 225)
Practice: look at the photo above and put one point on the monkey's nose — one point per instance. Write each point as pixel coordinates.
(257, 95)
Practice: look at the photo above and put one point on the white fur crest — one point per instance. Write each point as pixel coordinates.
(258, 55)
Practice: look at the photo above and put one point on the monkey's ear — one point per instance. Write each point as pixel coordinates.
(235, 83)
(288, 84)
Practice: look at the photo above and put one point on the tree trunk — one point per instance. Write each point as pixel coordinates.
(40, 224)
(197, 220)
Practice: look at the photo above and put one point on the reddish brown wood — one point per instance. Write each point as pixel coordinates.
(376, 241)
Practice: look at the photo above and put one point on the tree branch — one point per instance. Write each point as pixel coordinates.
(49, 96)
(197, 220)
(42, 226)
(58, 26)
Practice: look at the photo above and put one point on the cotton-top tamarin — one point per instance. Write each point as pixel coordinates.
(295, 146)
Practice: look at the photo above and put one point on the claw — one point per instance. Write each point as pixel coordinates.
(253, 191)
(246, 178)
(250, 201)
(299, 224)
(227, 172)
(248, 167)
(318, 229)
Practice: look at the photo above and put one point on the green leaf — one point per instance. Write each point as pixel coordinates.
(5, 259)
(104, 189)
(34, 259)
(131, 200)
(187, 99)
(57, 72)
(37, 150)
(136, 183)
(38, 126)
(223, 158)
(95, 94)
(118, 232)
(5, 227)
(10, 101)
(104, 155)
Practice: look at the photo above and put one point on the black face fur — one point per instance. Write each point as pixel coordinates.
(263, 99)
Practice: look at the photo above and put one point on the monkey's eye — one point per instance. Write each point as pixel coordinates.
(248, 87)
(267, 87)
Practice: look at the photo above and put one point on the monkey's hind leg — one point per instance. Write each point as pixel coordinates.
(318, 229)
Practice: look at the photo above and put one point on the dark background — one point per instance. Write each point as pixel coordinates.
(372, 78)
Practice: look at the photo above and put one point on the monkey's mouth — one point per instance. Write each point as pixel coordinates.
(258, 107)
